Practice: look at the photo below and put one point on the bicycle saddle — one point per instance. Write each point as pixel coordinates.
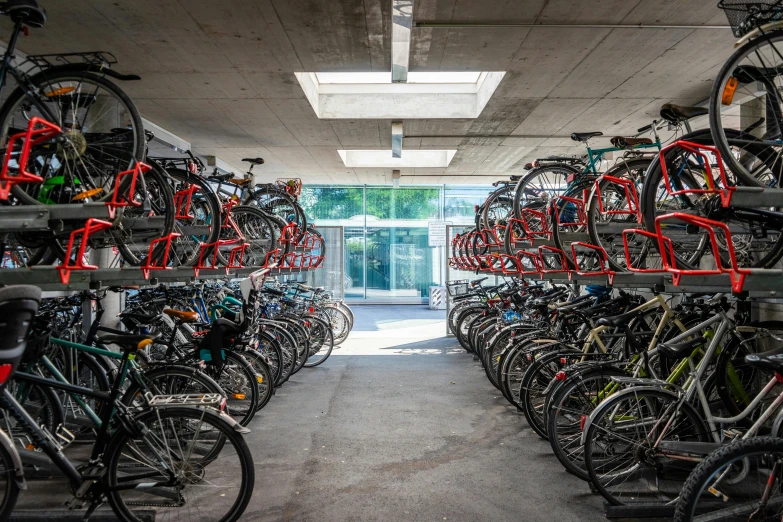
(680, 350)
(220, 177)
(584, 136)
(126, 340)
(27, 12)
(272, 291)
(677, 113)
(771, 360)
(18, 306)
(182, 315)
(254, 161)
(621, 142)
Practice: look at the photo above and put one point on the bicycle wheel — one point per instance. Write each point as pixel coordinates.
(164, 469)
(9, 481)
(534, 383)
(753, 248)
(248, 225)
(197, 217)
(102, 136)
(266, 386)
(341, 324)
(741, 481)
(280, 203)
(238, 380)
(271, 350)
(616, 211)
(541, 184)
(741, 122)
(321, 342)
(621, 445)
(498, 208)
(569, 407)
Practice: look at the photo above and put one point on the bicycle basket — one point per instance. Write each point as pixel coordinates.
(456, 288)
(746, 15)
(291, 185)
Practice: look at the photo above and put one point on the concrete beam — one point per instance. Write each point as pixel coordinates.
(396, 139)
(402, 18)
(166, 137)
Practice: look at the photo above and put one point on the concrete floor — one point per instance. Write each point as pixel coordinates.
(402, 424)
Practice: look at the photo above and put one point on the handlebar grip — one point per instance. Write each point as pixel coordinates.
(644, 129)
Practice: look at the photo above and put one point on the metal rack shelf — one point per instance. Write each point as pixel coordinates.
(36, 218)
(47, 278)
(761, 283)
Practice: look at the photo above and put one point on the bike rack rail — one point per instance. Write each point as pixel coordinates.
(38, 131)
(631, 197)
(234, 259)
(546, 251)
(118, 200)
(91, 226)
(602, 257)
(163, 265)
(581, 215)
(182, 200)
(736, 273)
(725, 191)
(649, 235)
(532, 258)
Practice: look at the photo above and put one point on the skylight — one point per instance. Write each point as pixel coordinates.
(372, 95)
(384, 159)
(433, 77)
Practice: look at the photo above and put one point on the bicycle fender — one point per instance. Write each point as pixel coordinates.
(8, 444)
(628, 391)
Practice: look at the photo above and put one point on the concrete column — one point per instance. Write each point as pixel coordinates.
(113, 303)
(752, 111)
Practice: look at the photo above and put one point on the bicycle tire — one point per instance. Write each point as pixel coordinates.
(54, 76)
(232, 440)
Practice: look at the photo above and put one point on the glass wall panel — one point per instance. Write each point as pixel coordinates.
(330, 203)
(386, 203)
(354, 262)
(387, 252)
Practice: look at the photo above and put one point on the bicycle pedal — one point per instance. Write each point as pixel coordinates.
(64, 436)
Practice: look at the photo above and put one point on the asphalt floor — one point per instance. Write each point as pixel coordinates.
(400, 423)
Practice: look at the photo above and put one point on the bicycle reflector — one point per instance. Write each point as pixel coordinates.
(729, 90)
(560, 376)
(5, 372)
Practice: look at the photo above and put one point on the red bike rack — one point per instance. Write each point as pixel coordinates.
(531, 258)
(38, 131)
(151, 265)
(234, 259)
(119, 200)
(603, 259)
(182, 200)
(631, 197)
(537, 217)
(91, 226)
(546, 250)
(290, 234)
(736, 274)
(273, 256)
(649, 235)
(581, 215)
(505, 259)
(725, 192)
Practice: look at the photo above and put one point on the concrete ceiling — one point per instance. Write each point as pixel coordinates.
(221, 74)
